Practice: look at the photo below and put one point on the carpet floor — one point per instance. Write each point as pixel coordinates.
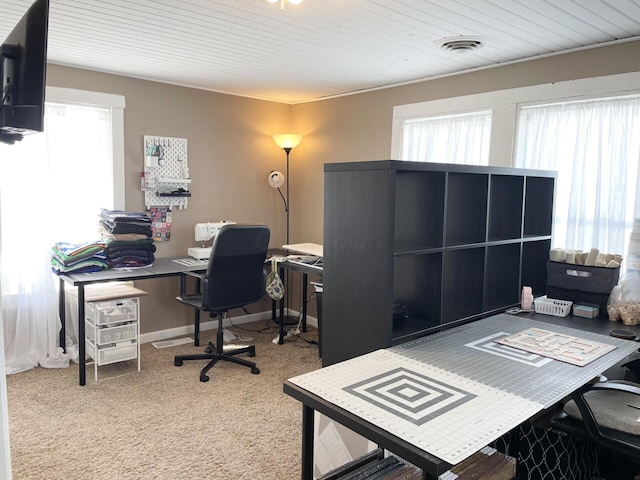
(162, 422)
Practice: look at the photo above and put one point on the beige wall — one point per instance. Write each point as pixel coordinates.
(231, 151)
(230, 155)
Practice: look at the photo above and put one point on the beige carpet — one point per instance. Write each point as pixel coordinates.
(162, 423)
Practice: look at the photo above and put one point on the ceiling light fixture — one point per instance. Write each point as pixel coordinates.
(282, 2)
(459, 44)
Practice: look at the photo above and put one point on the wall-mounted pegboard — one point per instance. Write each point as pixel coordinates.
(166, 176)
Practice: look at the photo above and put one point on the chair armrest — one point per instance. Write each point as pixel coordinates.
(199, 275)
(183, 283)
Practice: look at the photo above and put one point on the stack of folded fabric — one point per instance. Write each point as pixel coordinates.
(127, 236)
(78, 258)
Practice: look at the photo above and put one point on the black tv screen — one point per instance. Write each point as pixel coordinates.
(23, 66)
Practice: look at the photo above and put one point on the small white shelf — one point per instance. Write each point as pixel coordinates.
(173, 180)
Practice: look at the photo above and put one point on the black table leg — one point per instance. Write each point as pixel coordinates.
(281, 321)
(196, 320)
(281, 333)
(307, 442)
(304, 301)
(62, 314)
(81, 338)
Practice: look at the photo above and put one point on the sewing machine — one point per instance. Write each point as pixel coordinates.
(203, 233)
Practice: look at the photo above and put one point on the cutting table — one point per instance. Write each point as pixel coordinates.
(439, 399)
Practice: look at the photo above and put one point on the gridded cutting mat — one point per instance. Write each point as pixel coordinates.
(448, 416)
(470, 351)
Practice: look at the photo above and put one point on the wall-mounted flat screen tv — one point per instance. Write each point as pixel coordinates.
(23, 66)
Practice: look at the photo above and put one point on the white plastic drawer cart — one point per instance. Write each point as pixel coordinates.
(112, 325)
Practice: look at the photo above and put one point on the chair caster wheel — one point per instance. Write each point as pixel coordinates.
(204, 378)
(255, 370)
(178, 363)
(208, 350)
(252, 354)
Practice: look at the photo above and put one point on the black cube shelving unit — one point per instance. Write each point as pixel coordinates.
(446, 243)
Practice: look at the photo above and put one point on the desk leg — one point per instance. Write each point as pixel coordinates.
(281, 321)
(281, 332)
(81, 340)
(196, 320)
(62, 314)
(304, 301)
(307, 442)
(196, 328)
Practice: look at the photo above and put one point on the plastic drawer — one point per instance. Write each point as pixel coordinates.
(100, 313)
(118, 353)
(113, 334)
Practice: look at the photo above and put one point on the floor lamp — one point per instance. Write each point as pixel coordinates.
(287, 142)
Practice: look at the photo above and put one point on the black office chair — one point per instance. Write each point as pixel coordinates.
(235, 277)
(606, 413)
(634, 367)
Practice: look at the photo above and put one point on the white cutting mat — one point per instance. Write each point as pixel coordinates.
(447, 415)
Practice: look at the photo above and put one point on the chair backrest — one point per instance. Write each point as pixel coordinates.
(236, 275)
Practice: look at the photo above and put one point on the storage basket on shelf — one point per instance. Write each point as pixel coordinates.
(581, 283)
(120, 310)
(551, 306)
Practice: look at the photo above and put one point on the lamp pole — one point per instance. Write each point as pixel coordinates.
(287, 142)
(287, 151)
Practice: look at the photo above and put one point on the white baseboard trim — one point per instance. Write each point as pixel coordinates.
(213, 325)
(313, 321)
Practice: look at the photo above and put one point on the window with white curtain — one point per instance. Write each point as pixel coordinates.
(461, 139)
(52, 186)
(594, 145)
(585, 129)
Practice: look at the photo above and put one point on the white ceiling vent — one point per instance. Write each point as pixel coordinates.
(459, 44)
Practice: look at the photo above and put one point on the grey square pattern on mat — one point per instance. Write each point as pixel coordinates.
(408, 394)
(442, 413)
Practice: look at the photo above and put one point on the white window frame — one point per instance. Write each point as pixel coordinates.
(116, 103)
(505, 105)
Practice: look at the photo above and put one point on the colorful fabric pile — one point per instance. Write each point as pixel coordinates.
(127, 236)
(78, 258)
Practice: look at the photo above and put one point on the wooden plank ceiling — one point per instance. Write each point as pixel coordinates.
(319, 48)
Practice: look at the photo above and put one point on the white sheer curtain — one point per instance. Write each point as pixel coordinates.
(595, 148)
(460, 139)
(52, 186)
